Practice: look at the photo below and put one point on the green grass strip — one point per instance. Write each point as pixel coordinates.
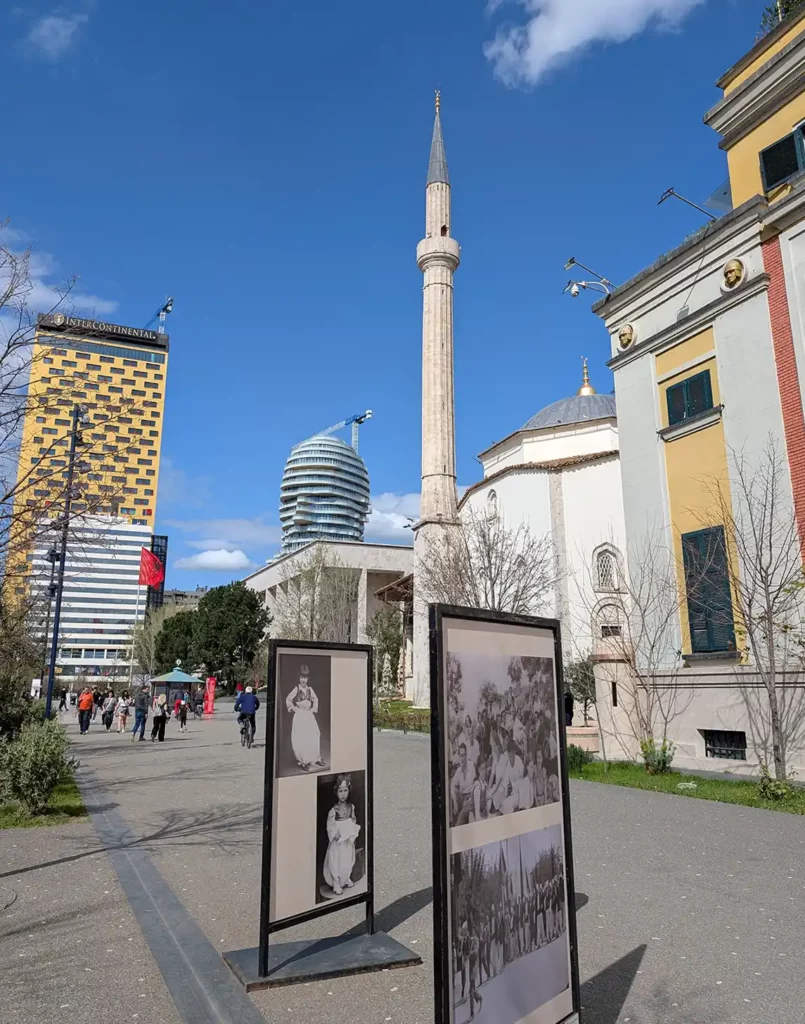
(743, 791)
(65, 804)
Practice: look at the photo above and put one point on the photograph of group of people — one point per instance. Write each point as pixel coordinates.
(502, 735)
(508, 911)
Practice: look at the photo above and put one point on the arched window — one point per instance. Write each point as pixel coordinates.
(606, 566)
(609, 621)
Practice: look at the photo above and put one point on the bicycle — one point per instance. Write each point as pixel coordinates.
(247, 733)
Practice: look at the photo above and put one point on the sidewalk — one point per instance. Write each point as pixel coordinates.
(70, 948)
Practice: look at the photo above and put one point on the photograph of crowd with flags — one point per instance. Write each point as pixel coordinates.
(503, 753)
(508, 912)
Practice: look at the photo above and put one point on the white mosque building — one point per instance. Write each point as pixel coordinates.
(560, 475)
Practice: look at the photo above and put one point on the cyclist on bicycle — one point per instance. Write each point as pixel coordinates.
(247, 704)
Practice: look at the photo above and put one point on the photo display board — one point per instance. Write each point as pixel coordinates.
(504, 897)
(317, 834)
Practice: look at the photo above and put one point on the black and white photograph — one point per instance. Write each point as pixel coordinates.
(303, 714)
(340, 835)
(510, 951)
(502, 745)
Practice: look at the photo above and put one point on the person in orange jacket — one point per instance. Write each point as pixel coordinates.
(86, 700)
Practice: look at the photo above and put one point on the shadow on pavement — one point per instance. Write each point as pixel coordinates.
(396, 913)
(233, 827)
(603, 996)
(582, 899)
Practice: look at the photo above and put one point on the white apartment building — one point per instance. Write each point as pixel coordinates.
(102, 598)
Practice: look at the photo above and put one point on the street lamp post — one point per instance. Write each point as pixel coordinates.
(53, 557)
(65, 526)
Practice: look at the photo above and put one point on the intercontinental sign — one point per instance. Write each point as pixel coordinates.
(62, 322)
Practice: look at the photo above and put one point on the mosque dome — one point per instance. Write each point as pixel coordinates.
(576, 409)
(585, 405)
(324, 493)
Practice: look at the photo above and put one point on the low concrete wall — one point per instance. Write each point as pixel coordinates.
(586, 738)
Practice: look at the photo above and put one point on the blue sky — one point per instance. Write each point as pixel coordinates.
(265, 164)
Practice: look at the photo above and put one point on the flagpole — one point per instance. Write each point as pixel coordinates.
(133, 635)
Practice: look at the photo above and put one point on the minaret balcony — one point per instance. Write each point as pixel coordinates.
(438, 251)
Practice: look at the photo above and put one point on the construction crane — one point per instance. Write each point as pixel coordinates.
(355, 421)
(161, 314)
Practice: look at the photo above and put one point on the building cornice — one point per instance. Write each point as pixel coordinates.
(693, 323)
(763, 44)
(689, 253)
(553, 466)
(763, 93)
(552, 428)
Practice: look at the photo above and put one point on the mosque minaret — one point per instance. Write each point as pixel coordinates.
(438, 258)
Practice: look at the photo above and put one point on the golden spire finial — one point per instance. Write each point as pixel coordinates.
(438, 100)
(586, 387)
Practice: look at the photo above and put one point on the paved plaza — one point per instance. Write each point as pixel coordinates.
(689, 912)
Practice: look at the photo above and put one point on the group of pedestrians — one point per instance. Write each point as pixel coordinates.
(113, 708)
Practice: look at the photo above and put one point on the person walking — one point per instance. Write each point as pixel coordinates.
(198, 702)
(184, 707)
(140, 713)
(108, 709)
(63, 699)
(161, 716)
(568, 708)
(122, 709)
(97, 700)
(85, 705)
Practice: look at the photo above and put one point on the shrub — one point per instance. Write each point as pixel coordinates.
(657, 760)
(34, 764)
(402, 719)
(774, 789)
(17, 708)
(577, 758)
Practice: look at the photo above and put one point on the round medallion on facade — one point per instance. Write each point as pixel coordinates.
(626, 337)
(734, 274)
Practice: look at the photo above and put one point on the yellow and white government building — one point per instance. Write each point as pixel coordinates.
(708, 352)
(118, 374)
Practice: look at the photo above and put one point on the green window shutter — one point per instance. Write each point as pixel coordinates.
(700, 394)
(697, 608)
(690, 397)
(709, 601)
(675, 397)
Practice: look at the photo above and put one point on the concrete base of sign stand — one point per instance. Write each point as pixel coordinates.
(315, 960)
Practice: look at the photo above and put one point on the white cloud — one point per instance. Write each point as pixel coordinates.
(221, 560)
(52, 36)
(33, 291)
(227, 534)
(177, 487)
(391, 516)
(556, 30)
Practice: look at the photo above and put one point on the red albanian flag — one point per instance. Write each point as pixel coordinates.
(152, 571)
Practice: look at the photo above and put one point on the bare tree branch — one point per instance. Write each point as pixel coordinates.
(484, 563)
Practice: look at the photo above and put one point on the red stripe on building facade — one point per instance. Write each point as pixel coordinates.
(787, 378)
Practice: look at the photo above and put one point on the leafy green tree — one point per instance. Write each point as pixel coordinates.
(580, 680)
(174, 642)
(229, 626)
(779, 11)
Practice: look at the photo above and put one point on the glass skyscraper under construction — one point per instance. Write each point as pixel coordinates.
(324, 493)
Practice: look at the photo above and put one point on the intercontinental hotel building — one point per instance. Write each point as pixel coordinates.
(117, 375)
